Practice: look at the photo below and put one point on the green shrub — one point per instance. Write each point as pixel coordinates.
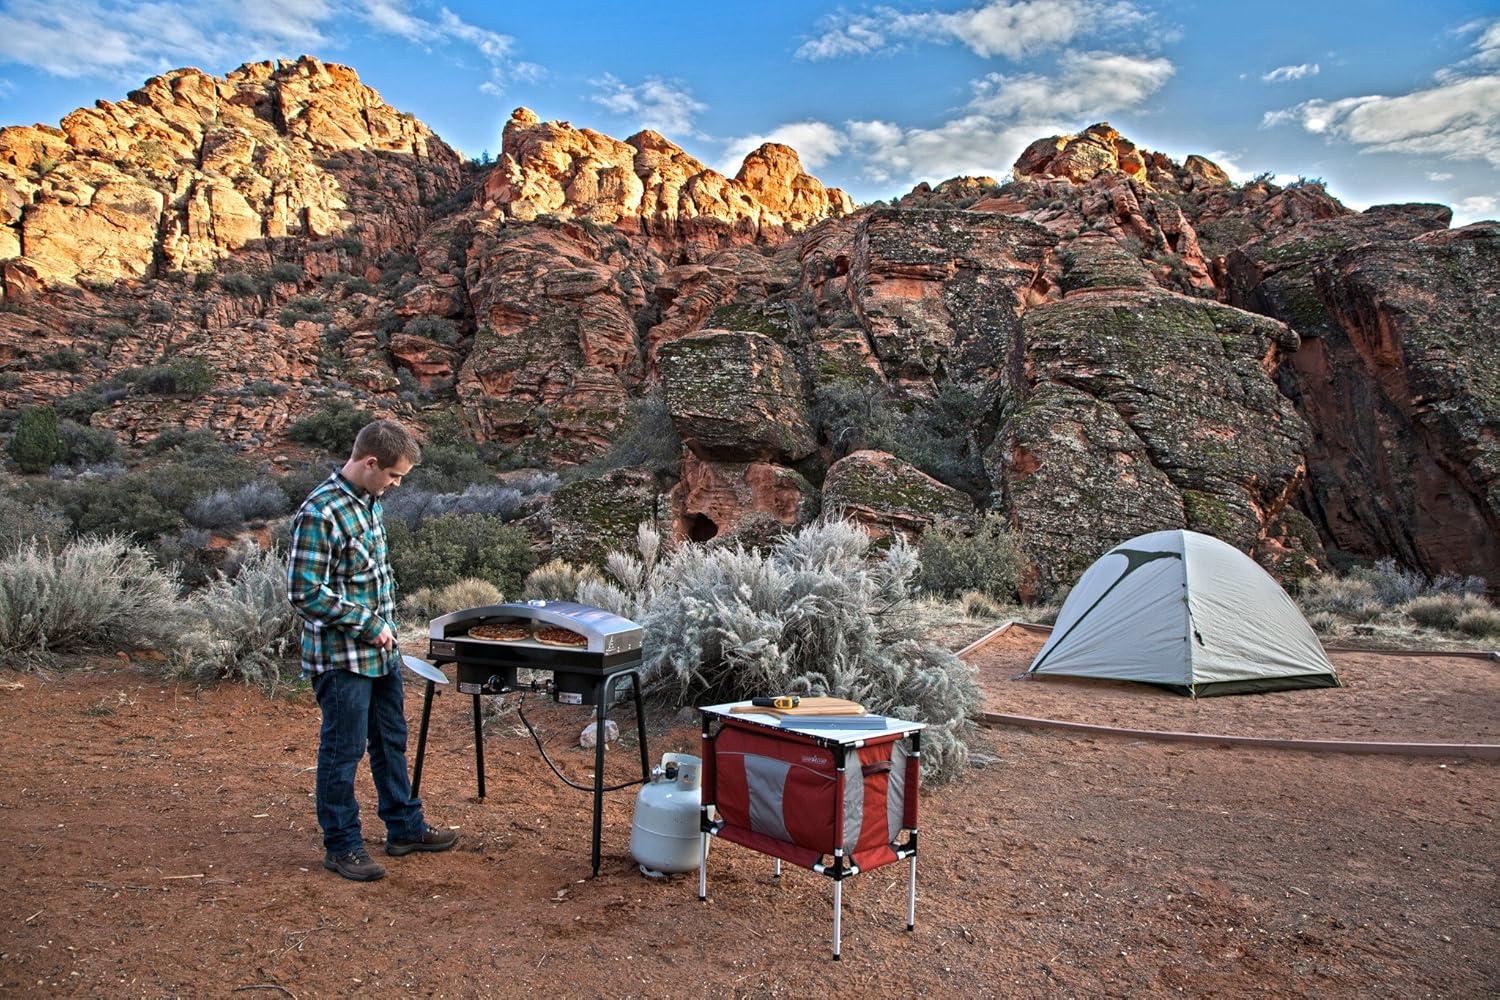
(645, 439)
(239, 284)
(428, 603)
(449, 468)
(95, 595)
(242, 627)
(558, 580)
(21, 523)
(818, 614)
(145, 503)
(934, 435)
(332, 427)
(37, 445)
(179, 377)
(305, 307)
(79, 406)
(64, 360)
(987, 559)
(286, 271)
(1435, 610)
(443, 550)
(435, 328)
(87, 445)
(1480, 622)
(158, 311)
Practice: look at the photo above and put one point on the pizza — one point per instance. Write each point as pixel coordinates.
(500, 631)
(561, 637)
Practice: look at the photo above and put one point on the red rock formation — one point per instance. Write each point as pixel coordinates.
(649, 185)
(716, 498)
(192, 167)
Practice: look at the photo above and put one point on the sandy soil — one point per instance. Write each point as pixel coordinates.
(159, 841)
(1387, 698)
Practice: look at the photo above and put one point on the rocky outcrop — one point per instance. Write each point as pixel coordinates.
(887, 496)
(1143, 409)
(714, 499)
(1401, 395)
(1100, 149)
(940, 293)
(556, 351)
(648, 185)
(191, 168)
(735, 396)
(594, 517)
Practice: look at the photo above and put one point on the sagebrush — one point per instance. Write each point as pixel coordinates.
(242, 627)
(91, 595)
(819, 614)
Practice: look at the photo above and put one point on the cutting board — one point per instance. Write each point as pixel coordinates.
(809, 706)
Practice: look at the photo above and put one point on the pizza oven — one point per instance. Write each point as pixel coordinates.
(589, 653)
(581, 646)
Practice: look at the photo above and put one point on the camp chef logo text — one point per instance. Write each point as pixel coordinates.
(816, 760)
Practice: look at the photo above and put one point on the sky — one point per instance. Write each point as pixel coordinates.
(1384, 101)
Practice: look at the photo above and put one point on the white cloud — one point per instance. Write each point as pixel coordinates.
(1480, 207)
(815, 142)
(972, 144)
(128, 40)
(654, 103)
(1458, 118)
(1437, 177)
(1086, 84)
(997, 28)
(1282, 74)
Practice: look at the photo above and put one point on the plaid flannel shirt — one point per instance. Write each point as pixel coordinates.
(340, 581)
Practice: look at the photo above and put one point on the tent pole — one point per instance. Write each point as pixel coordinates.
(838, 928)
(911, 893)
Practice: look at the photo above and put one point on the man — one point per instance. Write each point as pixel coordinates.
(340, 581)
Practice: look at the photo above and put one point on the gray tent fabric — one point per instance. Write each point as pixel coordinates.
(1185, 610)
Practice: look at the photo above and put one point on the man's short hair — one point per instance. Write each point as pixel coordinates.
(388, 441)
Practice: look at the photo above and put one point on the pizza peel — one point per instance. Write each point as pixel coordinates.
(424, 670)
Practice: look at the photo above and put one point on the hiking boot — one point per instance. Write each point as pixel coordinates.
(431, 840)
(356, 865)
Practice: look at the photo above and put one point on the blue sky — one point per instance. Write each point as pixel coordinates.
(1386, 101)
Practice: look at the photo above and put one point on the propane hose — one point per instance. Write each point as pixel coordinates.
(560, 776)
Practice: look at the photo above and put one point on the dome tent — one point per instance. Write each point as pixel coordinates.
(1188, 611)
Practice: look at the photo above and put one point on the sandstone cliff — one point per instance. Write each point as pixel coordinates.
(1108, 342)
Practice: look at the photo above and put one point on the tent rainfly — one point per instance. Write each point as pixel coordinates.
(1188, 611)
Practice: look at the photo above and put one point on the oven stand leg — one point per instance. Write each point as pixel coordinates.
(640, 724)
(416, 771)
(599, 769)
(479, 746)
(838, 913)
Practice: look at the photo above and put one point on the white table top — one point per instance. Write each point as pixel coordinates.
(841, 734)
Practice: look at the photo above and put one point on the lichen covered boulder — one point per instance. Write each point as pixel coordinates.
(736, 397)
(887, 496)
(593, 517)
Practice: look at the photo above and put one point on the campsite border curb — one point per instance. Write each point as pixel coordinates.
(1480, 751)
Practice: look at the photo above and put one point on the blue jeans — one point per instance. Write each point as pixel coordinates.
(360, 711)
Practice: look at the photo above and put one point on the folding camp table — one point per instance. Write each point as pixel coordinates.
(832, 800)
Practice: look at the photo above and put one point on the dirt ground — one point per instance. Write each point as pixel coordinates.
(159, 840)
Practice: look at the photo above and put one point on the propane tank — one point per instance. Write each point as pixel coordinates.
(664, 838)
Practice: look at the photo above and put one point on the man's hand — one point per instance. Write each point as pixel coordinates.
(386, 639)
